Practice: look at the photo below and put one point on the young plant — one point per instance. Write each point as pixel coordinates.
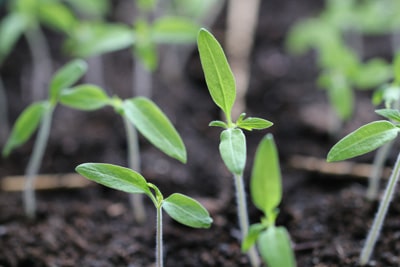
(39, 115)
(266, 191)
(137, 113)
(181, 208)
(363, 140)
(222, 88)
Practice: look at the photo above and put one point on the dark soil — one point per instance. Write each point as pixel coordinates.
(327, 216)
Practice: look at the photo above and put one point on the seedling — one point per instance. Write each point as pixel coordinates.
(39, 115)
(222, 88)
(361, 141)
(181, 208)
(266, 192)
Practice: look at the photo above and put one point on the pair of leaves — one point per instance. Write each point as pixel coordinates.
(181, 208)
(365, 139)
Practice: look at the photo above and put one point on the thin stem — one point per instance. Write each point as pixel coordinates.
(381, 214)
(41, 62)
(376, 173)
(133, 152)
(159, 239)
(35, 162)
(142, 80)
(5, 127)
(243, 217)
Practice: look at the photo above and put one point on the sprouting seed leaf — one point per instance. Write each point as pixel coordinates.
(84, 97)
(218, 74)
(150, 121)
(265, 183)
(391, 114)
(252, 236)
(275, 247)
(251, 123)
(187, 211)
(241, 118)
(115, 177)
(233, 150)
(174, 30)
(218, 123)
(67, 76)
(363, 140)
(25, 126)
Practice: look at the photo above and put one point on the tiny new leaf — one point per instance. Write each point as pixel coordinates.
(218, 74)
(25, 126)
(66, 76)
(154, 125)
(363, 140)
(252, 236)
(391, 114)
(187, 211)
(233, 150)
(251, 123)
(115, 177)
(265, 183)
(218, 123)
(275, 247)
(84, 97)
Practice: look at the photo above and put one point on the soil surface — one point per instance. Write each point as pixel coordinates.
(327, 215)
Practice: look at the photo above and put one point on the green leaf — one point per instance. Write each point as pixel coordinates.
(265, 184)
(187, 211)
(91, 8)
(252, 236)
(218, 74)
(391, 114)
(66, 76)
(115, 177)
(153, 124)
(218, 123)
(373, 73)
(11, 28)
(275, 247)
(363, 140)
(84, 97)
(95, 38)
(26, 124)
(233, 150)
(174, 30)
(57, 16)
(251, 123)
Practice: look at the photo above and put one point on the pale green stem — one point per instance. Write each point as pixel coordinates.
(142, 80)
(159, 238)
(41, 63)
(136, 200)
(243, 217)
(35, 162)
(376, 173)
(4, 125)
(381, 214)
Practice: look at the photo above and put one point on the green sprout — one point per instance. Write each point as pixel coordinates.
(181, 208)
(222, 88)
(266, 192)
(363, 140)
(39, 115)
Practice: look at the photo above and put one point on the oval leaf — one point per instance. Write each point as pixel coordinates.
(275, 247)
(84, 97)
(254, 124)
(115, 177)
(153, 124)
(25, 126)
(67, 76)
(187, 211)
(363, 140)
(174, 30)
(218, 74)
(391, 114)
(11, 28)
(265, 184)
(233, 150)
(57, 16)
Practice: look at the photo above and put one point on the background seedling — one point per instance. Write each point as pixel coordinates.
(39, 114)
(181, 208)
(361, 141)
(266, 192)
(222, 88)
